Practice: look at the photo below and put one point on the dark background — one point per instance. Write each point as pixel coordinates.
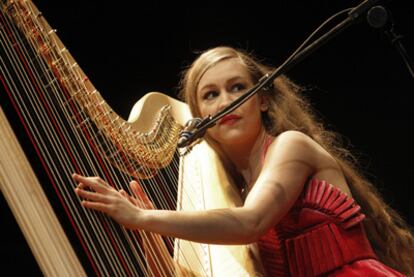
(357, 82)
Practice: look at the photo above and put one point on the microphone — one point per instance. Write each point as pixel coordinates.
(381, 18)
(194, 129)
(187, 134)
(377, 17)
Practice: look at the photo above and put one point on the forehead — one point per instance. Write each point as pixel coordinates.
(222, 71)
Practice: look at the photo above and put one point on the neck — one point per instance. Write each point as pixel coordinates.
(247, 157)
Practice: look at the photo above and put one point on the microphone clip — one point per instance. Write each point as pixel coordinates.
(194, 129)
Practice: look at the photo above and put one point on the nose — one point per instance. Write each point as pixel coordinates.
(225, 99)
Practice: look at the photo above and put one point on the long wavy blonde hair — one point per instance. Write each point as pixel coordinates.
(390, 237)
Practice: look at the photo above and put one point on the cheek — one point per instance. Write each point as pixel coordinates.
(198, 109)
(206, 110)
(202, 110)
(252, 106)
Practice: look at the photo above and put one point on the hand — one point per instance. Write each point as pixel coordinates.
(99, 196)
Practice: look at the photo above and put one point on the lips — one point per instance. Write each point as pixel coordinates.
(229, 119)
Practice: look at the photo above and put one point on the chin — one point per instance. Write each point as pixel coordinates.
(231, 137)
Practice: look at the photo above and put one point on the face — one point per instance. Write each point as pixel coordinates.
(218, 87)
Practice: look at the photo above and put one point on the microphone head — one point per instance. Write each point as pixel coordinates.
(377, 17)
(184, 139)
(186, 135)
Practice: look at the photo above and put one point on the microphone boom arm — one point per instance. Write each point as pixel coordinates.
(190, 135)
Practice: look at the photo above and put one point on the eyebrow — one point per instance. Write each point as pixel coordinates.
(227, 81)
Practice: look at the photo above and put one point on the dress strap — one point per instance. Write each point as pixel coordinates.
(267, 141)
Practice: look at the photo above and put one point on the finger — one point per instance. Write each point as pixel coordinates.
(123, 193)
(134, 201)
(127, 196)
(140, 194)
(81, 186)
(95, 206)
(94, 183)
(93, 196)
(137, 189)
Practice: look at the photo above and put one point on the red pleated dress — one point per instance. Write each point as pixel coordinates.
(321, 235)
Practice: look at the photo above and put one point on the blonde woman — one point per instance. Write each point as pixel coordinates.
(303, 196)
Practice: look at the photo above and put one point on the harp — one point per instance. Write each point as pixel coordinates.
(72, 129)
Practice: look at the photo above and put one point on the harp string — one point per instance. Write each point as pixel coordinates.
(46, 111)
(44, 128)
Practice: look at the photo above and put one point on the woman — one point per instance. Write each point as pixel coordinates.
(298, 185)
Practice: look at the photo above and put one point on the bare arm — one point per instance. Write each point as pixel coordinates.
(287, 166)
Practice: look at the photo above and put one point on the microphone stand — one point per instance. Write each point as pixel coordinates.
(378, 17)
(396, 41)
(197, 127)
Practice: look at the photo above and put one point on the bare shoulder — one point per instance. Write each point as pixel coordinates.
(290, 158)
(292, 136)
(295, 145)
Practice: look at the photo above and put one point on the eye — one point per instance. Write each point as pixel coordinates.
(238, 87)
(210, 95)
